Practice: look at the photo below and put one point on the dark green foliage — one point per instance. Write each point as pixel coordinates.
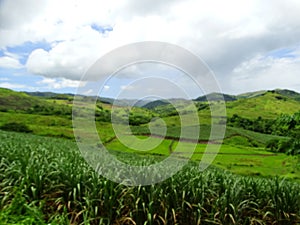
(295, 147)
(134, 116)
(288, 125)
(258, 125)
(17, 127)
(166, 110)
(53, 109)
(103, 115)
(201, 106)
(290, 146)
(272, 145)
(277, 145)
(136, 119)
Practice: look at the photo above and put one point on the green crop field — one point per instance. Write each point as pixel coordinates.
(44, 180)
(237, 159)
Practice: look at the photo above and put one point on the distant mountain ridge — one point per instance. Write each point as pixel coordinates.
(212, 97)
(216, 97)
(288, 93)
(10, 99)
(251, 94)
(226, 97)
(154, 104)
(49, 94)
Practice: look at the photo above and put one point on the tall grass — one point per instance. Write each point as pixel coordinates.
(45, 180)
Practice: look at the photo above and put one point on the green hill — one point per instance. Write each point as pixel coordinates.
(216, 97)
(265, 104)
(154, 104)
(24, 103)
(51, 95)
(11, 100)
(268, 105)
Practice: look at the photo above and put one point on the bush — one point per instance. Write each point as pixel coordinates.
(138, 119)
(294, 147)
(284, 145)
(272, 145)
(17, 127)
(290, 146)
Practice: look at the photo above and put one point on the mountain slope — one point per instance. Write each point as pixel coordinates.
(267, 105)
(216, 97)
(251, 94)
(22, 102)
(11, 100)
(154, 104)
(288, 93)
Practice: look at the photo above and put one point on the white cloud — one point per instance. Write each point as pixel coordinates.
(262, 73)
(69, 59)
(12, 85)
(11, 63)
(59, 83)
(223, 33)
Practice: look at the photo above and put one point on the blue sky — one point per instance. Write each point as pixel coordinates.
(49, 45)
(20, 78)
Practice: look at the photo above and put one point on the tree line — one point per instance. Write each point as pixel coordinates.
(285, 125)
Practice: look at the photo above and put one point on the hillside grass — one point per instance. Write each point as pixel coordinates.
(43, 125)
(268, 106)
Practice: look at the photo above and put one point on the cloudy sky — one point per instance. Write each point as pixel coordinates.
(249, 45)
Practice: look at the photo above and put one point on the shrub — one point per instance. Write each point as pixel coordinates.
(14, 126)
(272, 145)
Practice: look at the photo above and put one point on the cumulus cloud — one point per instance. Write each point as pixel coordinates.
(262, 73)
(225, 34)
(59, 83)
(11, 63)
(69, 58)
(12, 85)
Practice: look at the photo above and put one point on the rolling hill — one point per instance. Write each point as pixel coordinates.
(288, 93)
(266, 104)
(251, 94)
(216, 97)
(270, 104)
(154, 104)
(11, 100)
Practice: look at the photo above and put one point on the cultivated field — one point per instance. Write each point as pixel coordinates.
(45, 180)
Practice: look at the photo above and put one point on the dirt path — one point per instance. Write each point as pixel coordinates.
(225, 153)
(181, 139)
